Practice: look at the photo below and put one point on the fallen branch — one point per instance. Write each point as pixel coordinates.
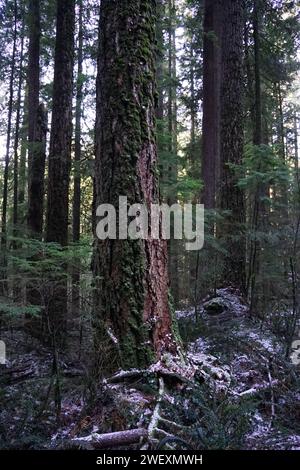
(155, 417)
(105, 441)
(138, 374)
(14, 376)
(176, 427)
(269, 365)
(127, 375)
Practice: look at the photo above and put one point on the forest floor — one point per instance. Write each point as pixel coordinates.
(233, 389)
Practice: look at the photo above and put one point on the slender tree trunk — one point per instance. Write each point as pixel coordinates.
(3, 283)
(23, 157)
(231, 149)
(17, 138)
(77, 163)
(281, 142)
(249, 73)
(79, 97)
(37, 127)
(132, 314)
(297, 179)
(257, 215)
(172, 169)
(36, 326)
(61, 127)
(60, 155)
(257, 139)
(37, 170)
(193, 110)
(211, 101)
(37, 139)
(160, 62)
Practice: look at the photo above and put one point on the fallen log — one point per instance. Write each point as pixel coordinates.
(114, 439)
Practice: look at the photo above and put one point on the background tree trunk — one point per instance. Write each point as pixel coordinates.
(231, 147)
(172, 168)
(61, 127)
(3, 283)
(60, 154)
(257, 213)
(17, 138)
(77, 162)
(211, 101)
(36, 126)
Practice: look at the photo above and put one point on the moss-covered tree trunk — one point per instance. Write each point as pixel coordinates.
(132, 315)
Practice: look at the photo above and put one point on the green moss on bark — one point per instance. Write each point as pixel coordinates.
(126, 165)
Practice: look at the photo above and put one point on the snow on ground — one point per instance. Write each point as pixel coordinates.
(237, 359)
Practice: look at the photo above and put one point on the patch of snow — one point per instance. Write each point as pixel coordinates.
(190, 314)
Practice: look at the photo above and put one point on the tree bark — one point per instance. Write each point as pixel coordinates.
(132, 314)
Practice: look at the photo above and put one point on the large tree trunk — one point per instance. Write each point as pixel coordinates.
(132, 314)
(60, 154)
(211, 101)
(231, 147)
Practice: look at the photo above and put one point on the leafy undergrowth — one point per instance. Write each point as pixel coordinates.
(232, 389)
